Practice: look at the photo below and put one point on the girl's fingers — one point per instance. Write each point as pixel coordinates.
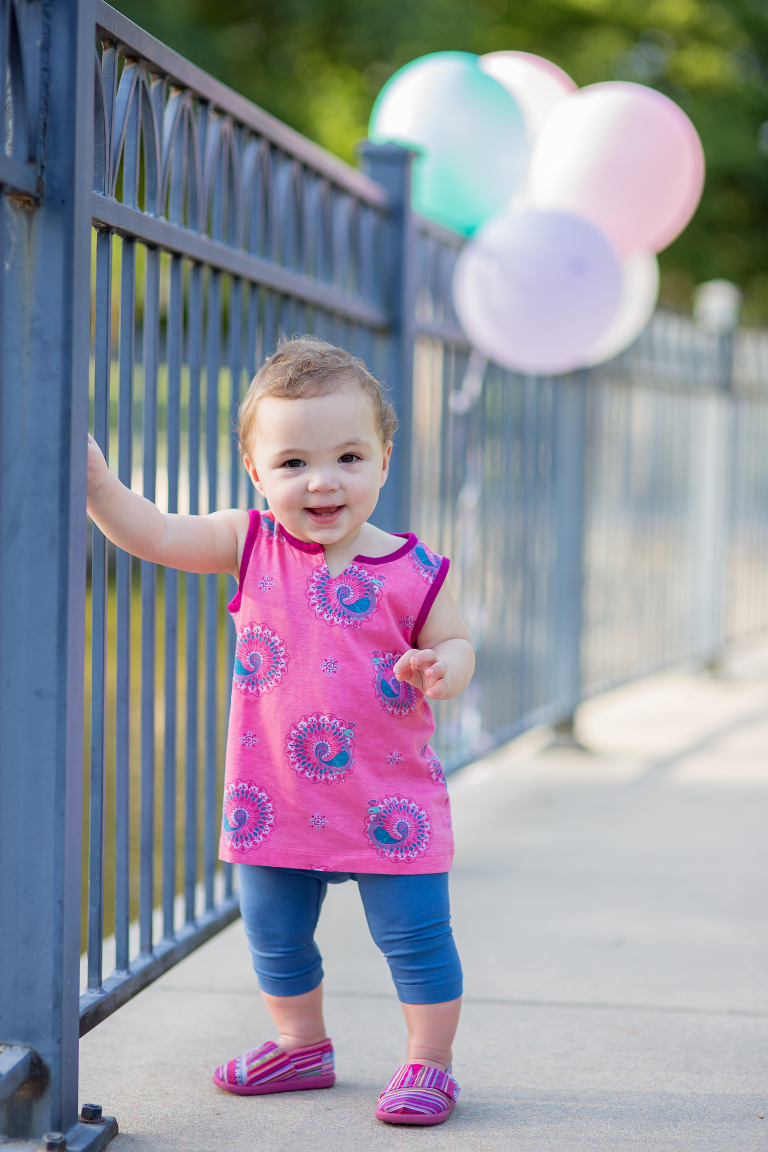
(405, 658)
(402, 667)
(423, 670)
(437, 691)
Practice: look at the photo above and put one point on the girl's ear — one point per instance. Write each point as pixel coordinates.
(385, 463)
(250, 468)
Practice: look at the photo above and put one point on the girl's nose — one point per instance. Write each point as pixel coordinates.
(323, 481)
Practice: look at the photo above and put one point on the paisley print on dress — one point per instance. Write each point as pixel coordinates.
(348, 599)
(434, 766)
(395, 696)
(269, 527)
(321, 747)
(425, 562)
(248, 817)
(397, 828)
(260, 659)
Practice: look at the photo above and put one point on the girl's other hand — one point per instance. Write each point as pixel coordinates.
(423, 669)
(97, 465)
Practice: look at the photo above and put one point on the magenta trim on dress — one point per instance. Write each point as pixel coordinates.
(302, 545)
(254, 516)
(411, 540)
(429, 599)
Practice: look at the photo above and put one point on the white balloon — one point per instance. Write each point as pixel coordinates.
(536, 84)
(534, 291)
(639, 292)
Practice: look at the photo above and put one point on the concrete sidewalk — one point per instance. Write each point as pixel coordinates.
(610, 910)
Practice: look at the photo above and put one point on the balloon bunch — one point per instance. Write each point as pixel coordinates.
(566, 193)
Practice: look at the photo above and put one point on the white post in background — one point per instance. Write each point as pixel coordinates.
(716, 310)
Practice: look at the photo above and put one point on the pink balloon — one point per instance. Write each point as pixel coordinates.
(624, 157)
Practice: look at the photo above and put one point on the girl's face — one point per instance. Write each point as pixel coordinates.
(319, 463)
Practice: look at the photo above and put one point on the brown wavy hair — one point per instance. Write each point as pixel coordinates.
(304, 366)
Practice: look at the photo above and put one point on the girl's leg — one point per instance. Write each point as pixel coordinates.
(410, 920)
(431, 1029)
(280, 909)
(298, 1019)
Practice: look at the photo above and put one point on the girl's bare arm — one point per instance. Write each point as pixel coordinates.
(211, 543)
(442, 665)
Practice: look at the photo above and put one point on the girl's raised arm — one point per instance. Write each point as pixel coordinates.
(442, 665)
(211, 543)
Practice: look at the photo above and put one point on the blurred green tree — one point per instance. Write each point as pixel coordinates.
(318, 65)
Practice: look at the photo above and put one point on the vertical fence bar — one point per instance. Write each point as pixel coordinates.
(712, 487)
(171, 590)
(529, 574)
(570, 436)
(390, 165)
(148, 604)
(44, 364)
(124, 574)
(123, 590)
(99, 599)
(252, 359)
(235, 356)
(192, 586)
(211, 606)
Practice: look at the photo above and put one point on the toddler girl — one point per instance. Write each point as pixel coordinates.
(343, 633)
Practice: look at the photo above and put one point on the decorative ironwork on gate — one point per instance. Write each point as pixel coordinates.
(217, 228)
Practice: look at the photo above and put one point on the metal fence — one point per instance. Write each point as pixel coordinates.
(216, 228)
(600, 526)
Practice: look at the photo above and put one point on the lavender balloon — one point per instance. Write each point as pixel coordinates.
(535, 290)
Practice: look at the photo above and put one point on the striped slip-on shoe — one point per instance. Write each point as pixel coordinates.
(270, 1069)
(418, 1094)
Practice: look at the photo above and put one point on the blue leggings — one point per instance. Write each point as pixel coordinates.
(409, 918)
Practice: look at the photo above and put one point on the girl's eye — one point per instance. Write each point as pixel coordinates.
(348, 458)
(293, 463)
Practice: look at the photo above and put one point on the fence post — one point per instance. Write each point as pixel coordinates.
(44, 316)
(390, 166)
(716, 311)
(570, 477)
(712, 459)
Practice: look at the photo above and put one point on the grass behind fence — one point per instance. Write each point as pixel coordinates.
(222, 679)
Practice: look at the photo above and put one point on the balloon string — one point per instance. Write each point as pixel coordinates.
(468, 395)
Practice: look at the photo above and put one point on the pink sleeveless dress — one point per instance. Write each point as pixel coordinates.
(328, 759)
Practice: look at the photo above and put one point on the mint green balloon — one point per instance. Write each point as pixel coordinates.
(468, 131)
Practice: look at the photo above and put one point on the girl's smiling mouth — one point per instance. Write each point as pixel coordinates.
(325, 513)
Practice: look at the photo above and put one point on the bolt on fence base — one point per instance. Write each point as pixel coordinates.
(564, 736)
(88, 1136)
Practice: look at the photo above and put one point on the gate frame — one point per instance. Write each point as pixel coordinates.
(45, 240)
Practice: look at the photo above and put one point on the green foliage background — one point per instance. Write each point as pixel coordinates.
(318, 65)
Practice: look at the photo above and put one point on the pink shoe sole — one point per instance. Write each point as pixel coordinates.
(415, 1117)
(296, 1084)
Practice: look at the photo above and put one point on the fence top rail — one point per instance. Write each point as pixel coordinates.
(112, 25)
(434, 231)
